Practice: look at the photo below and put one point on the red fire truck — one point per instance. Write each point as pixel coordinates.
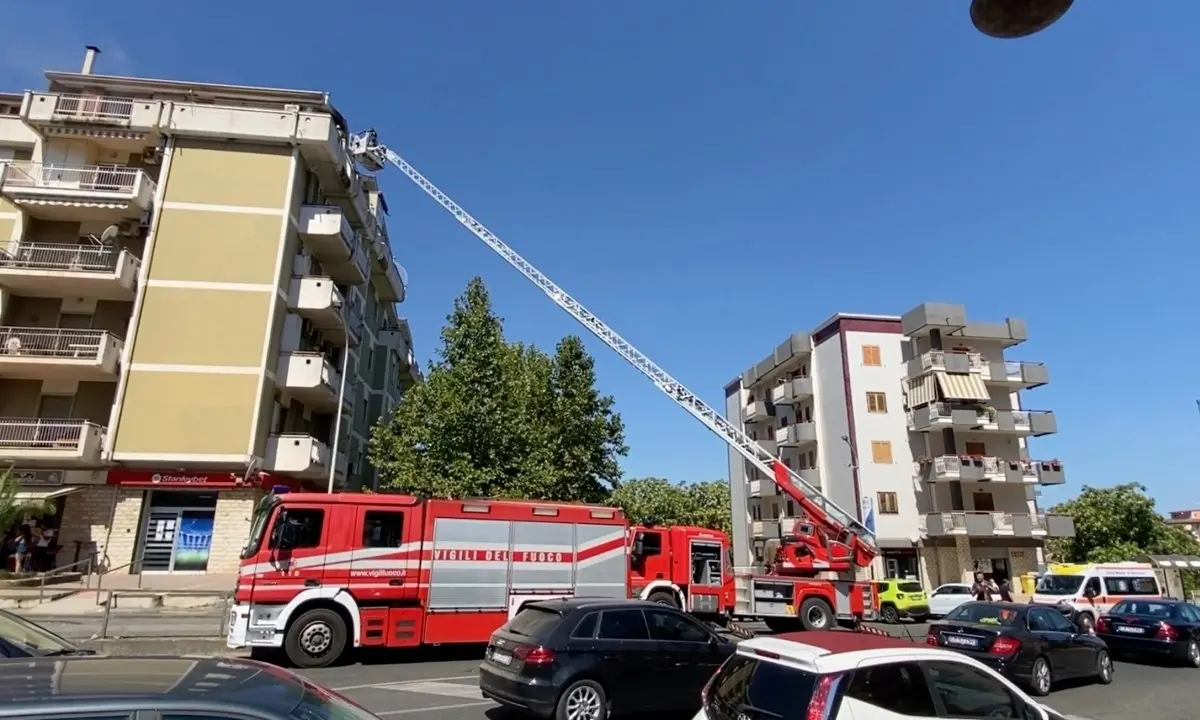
(324, 572)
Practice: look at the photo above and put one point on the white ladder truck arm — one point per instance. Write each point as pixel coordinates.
(820, 510)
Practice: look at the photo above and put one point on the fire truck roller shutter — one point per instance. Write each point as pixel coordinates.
(542, 557)
(601, 565)
(470, 564)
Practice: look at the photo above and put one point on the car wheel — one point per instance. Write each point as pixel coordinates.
(582, 700)
(662, 597)
(1039, 677)
(315, 639)
(889, 615)
(1193, 654)
(815, 614)
(1104, 667)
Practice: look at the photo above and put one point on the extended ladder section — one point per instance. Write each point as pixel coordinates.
(820, 510)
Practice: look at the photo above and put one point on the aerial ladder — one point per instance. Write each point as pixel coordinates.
(826, 539)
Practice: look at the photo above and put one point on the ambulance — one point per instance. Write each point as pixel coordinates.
(1092, 589)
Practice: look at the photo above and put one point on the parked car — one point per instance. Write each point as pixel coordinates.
(1153, 627)
(1030, 644)
(844, 675)
(192, 687)
(946, 597)
(20, 638)
(583, 659)
(899, 599)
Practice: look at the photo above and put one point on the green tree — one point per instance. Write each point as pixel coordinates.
(500, 419)
(14, 508)
(656, 501)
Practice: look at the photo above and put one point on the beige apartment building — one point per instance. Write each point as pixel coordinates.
(197, 302)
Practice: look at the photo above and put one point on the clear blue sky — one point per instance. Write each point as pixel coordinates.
(709, 177)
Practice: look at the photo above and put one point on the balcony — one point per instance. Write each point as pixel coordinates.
(970, 468)
(763, 488)
(310, 378)
(389, 279)
(1015, 374)
(793, 391)
(755, 412)
(797, 434)
(1020, 423)
(329, 237)
(51, 441)
(788, 355)
(50, 270)
(297, 455)
(1049, 472)
(999, 524)
(118, 123)
(74, 193)
(940, 360)
(59, 354)
(769, 445)
(765, 528)
(951, 321)
(318, 300)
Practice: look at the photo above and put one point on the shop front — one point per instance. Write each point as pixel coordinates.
(51, 489)
(187, 522)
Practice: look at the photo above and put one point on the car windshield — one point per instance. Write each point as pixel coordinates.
(909, 587)
(1059, 584)
(258, 524)
(983, 614)
(533, 622)
(32, 638)
(1143, 609)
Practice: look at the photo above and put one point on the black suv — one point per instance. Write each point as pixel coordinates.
(582, 659)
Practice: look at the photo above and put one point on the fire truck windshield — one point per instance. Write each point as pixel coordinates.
(258, 525)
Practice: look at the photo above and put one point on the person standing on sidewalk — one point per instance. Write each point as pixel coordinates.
(981, 590)
(1004, 590)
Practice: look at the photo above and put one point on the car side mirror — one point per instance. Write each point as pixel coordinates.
(639, 545)
(287, 533)
(1089, 593)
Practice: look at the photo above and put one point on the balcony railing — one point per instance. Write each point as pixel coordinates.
(53, 343)
(937, 360)
(54, 257)
(85, 108)
(44, 434)
(91, 178)
(989, 524)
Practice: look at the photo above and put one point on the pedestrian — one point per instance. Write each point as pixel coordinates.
(1004, 590)
(22, 548)
(980, 589)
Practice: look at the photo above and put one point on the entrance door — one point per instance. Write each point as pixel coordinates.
(158, 542)
(178, 530)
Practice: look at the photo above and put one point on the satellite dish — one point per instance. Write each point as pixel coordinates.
(1008, 19)
(110, 235)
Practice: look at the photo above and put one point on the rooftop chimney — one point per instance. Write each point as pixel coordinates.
(89, 59)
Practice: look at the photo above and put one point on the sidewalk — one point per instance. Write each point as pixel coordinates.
(128, 624)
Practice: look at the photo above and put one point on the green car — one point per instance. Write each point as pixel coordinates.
(898, 599)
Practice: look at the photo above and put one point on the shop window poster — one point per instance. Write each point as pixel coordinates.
(193, 539)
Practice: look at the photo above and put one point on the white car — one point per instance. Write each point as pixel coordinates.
(947, 597)
(843, 675)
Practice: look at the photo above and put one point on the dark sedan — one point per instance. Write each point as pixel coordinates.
(1032, 645)
(583, 659)
(1153, 627)
(20, 638)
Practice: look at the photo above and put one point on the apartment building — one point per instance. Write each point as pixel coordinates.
(197, 302)
(914, 424)
(1189, 520)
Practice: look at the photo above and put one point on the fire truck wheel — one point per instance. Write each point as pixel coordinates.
(315, 639)
(815, 614)
(582, 700)
(663, 597)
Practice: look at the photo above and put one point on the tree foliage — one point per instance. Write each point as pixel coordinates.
(501, 419)
(656, 501)
(1116, 524)
(14, 508)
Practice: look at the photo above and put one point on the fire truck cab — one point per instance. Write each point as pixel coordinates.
(687, 567)
(321, 573)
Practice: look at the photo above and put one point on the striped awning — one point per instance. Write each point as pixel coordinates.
(1173, 561)
(920, 391)
(962, 386)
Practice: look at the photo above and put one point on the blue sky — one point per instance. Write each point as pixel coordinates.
(708, 177)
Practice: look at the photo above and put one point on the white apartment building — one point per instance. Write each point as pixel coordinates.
(914, 423)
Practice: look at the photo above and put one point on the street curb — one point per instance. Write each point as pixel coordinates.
(165, 646)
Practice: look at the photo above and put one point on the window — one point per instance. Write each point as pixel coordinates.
(967, 692)
(976, 449)
(586, 629)
(870, 356)
(1093, 586)
(1131, 586)
(881, 452)
(533, 622)
(888, 504)
(1039, 621)
(304, 526)
(952, 590)
(745, 687)
(382, 529)
(876, 402)
(1190, 613)
(623, 625)
(897, 688)
(675, 627)
(1058, 623)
